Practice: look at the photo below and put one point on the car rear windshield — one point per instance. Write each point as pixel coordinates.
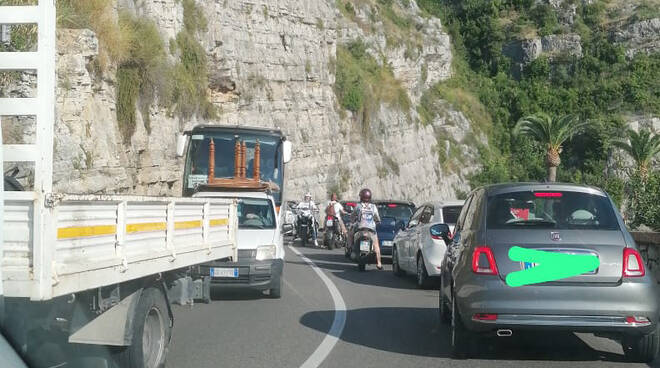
(550, 210)
(450, 214)
(401, 212)
(255, 213)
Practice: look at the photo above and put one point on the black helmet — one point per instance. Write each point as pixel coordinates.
(365, 195)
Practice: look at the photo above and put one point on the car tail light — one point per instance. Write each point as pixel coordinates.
(633, 265)
(484, 317)
(483, 261)
(547, 194)
(391, 205)
(637, 320)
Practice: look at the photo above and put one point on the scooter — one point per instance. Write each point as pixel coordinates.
(363, 248)
(332, 237)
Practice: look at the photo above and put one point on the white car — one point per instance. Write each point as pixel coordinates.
(260, 261)
(420, 247)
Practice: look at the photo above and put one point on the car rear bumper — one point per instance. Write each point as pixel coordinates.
(612, 324)
(568, 307)
(252, 274)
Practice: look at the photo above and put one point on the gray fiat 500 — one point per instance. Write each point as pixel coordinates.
(618, 299)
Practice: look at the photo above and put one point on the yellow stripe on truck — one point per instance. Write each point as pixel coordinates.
(187, 224)
(84, 231)
(144, 227)
(219, 222)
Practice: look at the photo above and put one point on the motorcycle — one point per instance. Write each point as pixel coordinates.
(306, 224)
(363, 248)
(333, 236)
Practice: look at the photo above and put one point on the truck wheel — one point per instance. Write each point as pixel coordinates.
(151, 333)
(641, 349)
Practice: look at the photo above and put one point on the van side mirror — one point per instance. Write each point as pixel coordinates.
(181, 140)
(286, 151)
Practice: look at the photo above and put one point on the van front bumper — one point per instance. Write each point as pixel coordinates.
(252, 274)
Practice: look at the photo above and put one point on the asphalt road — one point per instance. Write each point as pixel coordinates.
(389, 323)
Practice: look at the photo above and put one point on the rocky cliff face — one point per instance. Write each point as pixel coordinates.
(272, 64)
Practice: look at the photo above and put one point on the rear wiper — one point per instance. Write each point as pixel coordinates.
(533, 222)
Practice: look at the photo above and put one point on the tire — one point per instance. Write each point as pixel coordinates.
(641, 349)
(443, 308)
(329, 239)
(362, 267)
(276, 292)
(460, 336)
(151, 333)
(396, 269)
(303, 237)
(422, 276)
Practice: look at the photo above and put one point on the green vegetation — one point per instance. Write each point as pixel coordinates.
(551, 133)
(144, 74)
(601, 87)
(362, 84)
(642, 146)
(23, 37)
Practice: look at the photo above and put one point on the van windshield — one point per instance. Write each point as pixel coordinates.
(255, 213)
(551, 210)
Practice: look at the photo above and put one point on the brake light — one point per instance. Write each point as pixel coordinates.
(633, 265)
(351, 204)
(547, 194)
(478, 264)
(637, 320)
(391, 205)
(330, 218)
(484, 317)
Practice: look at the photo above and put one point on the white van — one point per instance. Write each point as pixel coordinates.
(260, 247)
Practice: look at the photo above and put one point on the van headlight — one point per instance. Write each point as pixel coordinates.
(265, 252)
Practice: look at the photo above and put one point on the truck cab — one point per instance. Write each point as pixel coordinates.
(260, 260)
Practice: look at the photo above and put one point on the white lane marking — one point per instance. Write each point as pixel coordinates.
(331, 338)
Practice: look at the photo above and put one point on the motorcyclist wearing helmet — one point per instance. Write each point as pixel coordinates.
(308, 204)
(366, 216)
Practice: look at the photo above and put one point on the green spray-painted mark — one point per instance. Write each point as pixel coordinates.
(550, 266)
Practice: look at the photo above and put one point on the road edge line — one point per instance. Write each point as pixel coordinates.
(332, 336)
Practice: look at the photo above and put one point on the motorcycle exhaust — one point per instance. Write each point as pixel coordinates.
(504, 333)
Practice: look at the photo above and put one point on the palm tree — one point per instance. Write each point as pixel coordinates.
(642, 146)
(552, 133)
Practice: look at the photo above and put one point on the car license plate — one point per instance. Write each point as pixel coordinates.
(224, 272)
(329, 223)
(364, 246)
(387, 243)
(528, 265)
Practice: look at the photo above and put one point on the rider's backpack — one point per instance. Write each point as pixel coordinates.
(330, 210)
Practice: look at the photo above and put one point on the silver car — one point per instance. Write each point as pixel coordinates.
(420, 247)
(618, 300)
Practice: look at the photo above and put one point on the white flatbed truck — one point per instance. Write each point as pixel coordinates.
(97, 271)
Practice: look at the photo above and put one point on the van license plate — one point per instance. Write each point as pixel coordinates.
(224, 272)
(364, 246)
